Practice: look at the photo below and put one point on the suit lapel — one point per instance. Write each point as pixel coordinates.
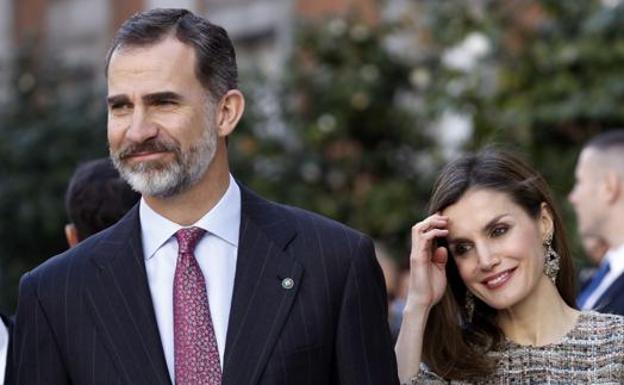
(121, 305)
(262, 295)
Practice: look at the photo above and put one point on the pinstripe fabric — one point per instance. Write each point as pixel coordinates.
(85, 317)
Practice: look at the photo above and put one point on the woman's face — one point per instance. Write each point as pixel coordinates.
(497, 246)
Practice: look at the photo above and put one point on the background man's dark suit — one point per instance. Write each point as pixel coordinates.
(86, 316)
(612, 300)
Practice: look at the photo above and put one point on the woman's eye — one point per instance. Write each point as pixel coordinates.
(461, 249)
(499, 230)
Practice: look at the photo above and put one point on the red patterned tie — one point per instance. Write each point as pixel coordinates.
(195, 344)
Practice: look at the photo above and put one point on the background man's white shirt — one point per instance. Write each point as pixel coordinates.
(216, 254)
(4, 347)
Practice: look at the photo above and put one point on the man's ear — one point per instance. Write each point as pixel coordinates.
(229, 111)
(612, 185)
(546, 222)
(71, 234)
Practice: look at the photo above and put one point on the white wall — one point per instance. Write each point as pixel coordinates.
(188, 4)
(261, 31)
(78, 31)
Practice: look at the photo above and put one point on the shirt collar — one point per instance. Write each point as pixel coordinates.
(615, 259)
(223, 221)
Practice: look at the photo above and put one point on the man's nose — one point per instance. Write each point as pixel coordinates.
(141, 128)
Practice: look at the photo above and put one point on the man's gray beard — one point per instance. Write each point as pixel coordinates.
(165, 180)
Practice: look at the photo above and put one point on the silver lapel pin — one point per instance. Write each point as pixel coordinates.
(288, 283)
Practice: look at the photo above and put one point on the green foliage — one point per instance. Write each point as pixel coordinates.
(552, 76)
(348, 130)
(349, 150)
(51, 124)
(545, 76)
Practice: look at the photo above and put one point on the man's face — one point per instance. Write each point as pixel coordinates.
(585, 195)
(161, 123)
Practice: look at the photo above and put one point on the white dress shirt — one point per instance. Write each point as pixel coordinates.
(4, 347)
(615, 258)
(216, 253)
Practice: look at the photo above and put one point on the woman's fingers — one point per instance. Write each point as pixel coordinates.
(429, 223)
(427, 261)
(425, 243)
(422, 235)
(440, 256)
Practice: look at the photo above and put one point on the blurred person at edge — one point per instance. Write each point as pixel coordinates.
(203, 282)
(6, 342)
(96, 198)
(397, 305)
(390, 270)
(598, 200)
(491, 294)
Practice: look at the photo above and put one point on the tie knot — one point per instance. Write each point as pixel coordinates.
(188, 238)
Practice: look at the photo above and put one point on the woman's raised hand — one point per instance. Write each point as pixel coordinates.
(427, 262)
(426, 286)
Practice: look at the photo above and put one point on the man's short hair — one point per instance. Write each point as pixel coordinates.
(216, 60)
(607, 140)
(97, 197)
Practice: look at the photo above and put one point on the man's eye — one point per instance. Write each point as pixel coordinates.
(119, 106)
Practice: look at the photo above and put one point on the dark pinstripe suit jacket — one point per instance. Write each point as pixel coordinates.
(86, 316)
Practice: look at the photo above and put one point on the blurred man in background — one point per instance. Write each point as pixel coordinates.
(598, 199)
(96, 198)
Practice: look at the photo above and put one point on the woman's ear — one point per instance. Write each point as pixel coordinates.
(229, 111)
(546, 222)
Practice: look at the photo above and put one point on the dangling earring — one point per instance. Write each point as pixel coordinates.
(551, 260)
(469, 305)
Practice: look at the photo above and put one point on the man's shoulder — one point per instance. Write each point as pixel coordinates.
(71, 261)
(306, 218)
(298, 218)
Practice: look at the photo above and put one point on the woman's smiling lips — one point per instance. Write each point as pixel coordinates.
(497, 280)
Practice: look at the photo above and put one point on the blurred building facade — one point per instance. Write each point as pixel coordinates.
(76, 33)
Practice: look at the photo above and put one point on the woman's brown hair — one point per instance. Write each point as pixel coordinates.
(453, 346)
